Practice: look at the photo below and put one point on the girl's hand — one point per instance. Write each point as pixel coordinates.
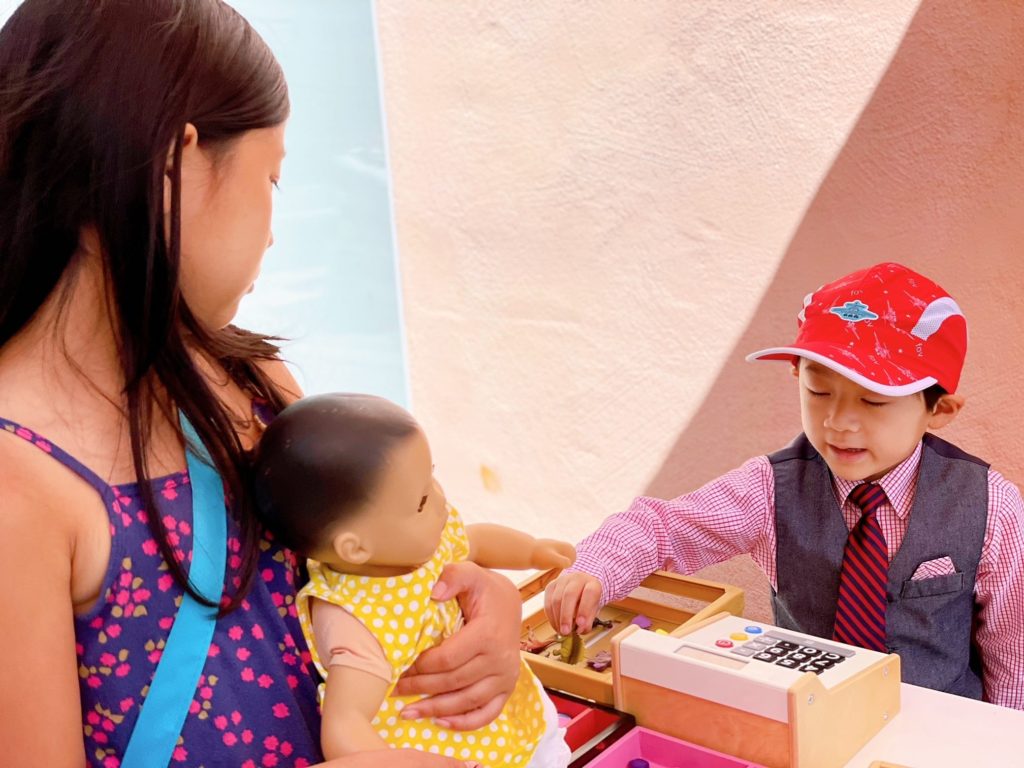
(470, 675)
(395, 758)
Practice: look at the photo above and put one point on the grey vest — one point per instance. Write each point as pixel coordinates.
(928, 622)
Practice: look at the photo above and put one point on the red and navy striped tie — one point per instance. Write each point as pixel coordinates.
(860, 611)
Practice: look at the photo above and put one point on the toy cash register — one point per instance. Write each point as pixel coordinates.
(772, 696)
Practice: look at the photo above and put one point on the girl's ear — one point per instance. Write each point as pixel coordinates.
(945, 411)
(189, 145)
(351, 548)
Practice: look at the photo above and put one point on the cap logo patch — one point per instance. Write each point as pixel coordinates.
(854, 312)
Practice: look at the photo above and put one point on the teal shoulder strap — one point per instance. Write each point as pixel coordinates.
(177, 674)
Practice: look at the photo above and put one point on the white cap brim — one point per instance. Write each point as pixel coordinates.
(888, 390)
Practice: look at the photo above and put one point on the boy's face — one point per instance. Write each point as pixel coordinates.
(403, 520)
(860, 434)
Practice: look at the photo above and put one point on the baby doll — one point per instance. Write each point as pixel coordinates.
(347, 480)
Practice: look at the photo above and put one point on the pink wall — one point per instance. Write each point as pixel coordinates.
(601, 212)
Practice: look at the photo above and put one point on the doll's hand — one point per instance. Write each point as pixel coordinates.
(571, 602)
(551, 553)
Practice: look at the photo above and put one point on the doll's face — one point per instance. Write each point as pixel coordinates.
(401, 524)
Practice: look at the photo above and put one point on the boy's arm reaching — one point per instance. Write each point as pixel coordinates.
(495, 546)
(730, 516)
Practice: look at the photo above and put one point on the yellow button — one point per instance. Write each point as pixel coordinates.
(660, 632)
(738, 636)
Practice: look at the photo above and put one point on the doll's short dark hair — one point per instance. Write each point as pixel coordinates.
(319, 461)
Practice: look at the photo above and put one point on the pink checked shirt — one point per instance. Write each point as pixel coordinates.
(735, 515)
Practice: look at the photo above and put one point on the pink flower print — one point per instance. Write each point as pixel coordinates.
(122, 670)
(214, 651)
(269, 760)
(243, 654)
(230, 739)
(173, 538)
(108, 659)
(127, 704)
(267, 574)
(248, 764)
(277, 598)
(293, 681)
(141, 516)
(289, 641)
(170, 523)
(141, 595)
(235, 633)
(248, 675)
(23, 433)
(93, 718)
(220, 722)
(170, 491)
(93, 681)
(166, 622)
(234, 545)
(206, 693)
(302, 763)
(179, 755)
(286, 748)
(289, 658)
(265, 681)
(150, 547)
(114, 630)
(185, 528)
(247, 736)
(165, 582)
(45, 446)
(257, 631)
(111, 761)
(194, 707)
(270, 743)
(234, 561)
(281, 710)
(100, 737)
(236, 717)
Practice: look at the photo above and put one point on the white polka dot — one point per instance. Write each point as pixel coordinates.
(449, 752)
(464, 753)
(391, 583)
(403, 592)
(414, 606)
(427, 734)
(378, 623)
(409, 623)
(492, 756)
(399, 608)
(457, 738)
(417, 589)
(403, 639)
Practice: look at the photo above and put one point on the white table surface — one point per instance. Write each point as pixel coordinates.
(936, 730)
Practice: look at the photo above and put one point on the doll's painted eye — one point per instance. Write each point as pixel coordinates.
(423, 503)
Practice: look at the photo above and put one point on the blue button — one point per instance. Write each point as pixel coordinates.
(753, 630)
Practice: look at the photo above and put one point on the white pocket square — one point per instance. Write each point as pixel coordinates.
(929, 569)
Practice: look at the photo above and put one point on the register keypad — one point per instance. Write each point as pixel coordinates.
(793, 652)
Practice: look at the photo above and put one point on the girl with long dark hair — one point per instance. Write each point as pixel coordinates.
(140, 141)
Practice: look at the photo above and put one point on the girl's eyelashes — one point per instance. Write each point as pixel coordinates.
(423, 503)
(276, 183)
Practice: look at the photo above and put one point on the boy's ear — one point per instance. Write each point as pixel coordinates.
(350, 547)
(945, 411)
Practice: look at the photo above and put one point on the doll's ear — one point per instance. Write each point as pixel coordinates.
(351, 548)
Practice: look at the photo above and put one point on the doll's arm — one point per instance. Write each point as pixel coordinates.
(495, 546)
(351, 701)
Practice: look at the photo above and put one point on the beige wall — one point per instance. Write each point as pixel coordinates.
(601, 207)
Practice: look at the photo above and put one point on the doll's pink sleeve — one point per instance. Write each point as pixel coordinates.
(342, 640)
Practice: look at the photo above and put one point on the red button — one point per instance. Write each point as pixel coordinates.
(723, 643)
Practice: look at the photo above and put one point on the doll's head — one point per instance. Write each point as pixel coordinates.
(348, 480)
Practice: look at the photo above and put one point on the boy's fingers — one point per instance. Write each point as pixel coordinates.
(590, 601)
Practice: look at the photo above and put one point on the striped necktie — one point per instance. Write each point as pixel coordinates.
(860, 610)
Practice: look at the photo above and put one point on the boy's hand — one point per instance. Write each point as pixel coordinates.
(551, 553)
(572, 597)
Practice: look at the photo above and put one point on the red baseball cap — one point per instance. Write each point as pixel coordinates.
(887, 328)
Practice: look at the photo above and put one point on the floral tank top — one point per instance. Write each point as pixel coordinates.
(255, 705)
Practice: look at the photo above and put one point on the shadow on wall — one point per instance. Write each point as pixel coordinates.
(932, 175)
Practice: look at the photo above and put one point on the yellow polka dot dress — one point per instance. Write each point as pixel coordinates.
(400, 614)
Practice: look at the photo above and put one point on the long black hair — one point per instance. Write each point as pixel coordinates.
(93, 94)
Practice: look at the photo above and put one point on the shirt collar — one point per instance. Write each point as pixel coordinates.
(899, 484)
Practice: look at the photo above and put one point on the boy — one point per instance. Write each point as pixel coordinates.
(871, 530)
